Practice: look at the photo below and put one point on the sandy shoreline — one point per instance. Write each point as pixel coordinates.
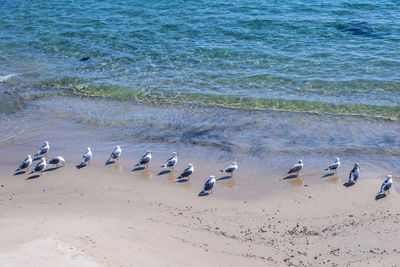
(108, 217)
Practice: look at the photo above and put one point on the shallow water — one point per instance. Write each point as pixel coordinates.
(277, 139)
(334, 52)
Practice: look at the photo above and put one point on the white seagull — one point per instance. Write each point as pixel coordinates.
(145, 159)
(87, 156)
(208, 186)
(171, 162)
(230, 169)
(57, 160)
(115, 154)
(40, 166)
(334, 165)
(44, 149)
(25, 164)
(187, 172)
(387, 184)
(297, 167)
(354, 174)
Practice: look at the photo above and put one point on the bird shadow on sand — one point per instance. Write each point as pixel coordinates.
(163, 172)
(52, 169)
(33, 177)
(225, 178)
(19, 173)
(328, 175)
(182, 180)
(37, 158)
(80, 166)
(138, 169)
(292, 176)
(109, 162)
(348, 184)
(380, 196)
(203, 194)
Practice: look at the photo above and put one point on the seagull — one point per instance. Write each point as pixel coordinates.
(25, 164)
(387, 184)
(44, 149)
(297, 167)
(230, 169)
(334, 165)
(187, 172)
(171, 162)
(354, 174)
(208, 186)
(40, 166)
(57, 160)
(87, 157)
(115, 154)
(145, 159)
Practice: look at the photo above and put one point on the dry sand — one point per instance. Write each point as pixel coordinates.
(106, 216)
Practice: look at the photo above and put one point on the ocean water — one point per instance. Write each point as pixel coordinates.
(270, 79)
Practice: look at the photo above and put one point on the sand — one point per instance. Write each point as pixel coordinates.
(110, 216)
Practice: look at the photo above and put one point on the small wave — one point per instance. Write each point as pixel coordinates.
(71, 86)
(4, 78)
(158, 98)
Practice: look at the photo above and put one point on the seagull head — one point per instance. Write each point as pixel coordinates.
(337, 159)
(212, 176)
(356, 166)
(234, 163)
(61, 159)
(300, 162)
(190, 165)
(174, 153)
(88, 149)
(46, 143)
(118, 147)
(43, 159)
(389, 176)
(29, 157)
(148, 152)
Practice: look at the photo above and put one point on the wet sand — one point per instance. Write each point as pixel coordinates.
(110, 216)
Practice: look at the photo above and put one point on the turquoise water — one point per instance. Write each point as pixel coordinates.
(325, 51)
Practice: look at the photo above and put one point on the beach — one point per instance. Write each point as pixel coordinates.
(264, 84)
(107, 216)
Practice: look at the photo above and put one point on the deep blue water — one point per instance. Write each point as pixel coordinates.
(330, 51)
